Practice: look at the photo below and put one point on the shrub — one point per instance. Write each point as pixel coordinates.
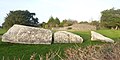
(97, 52)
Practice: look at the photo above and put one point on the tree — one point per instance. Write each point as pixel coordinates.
(57, 22)
(20, 17)
(63, 23)
(95, 23)
(43, 24)
(110, 18)
(51, 22)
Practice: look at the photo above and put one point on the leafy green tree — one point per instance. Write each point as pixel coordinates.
(43, 24)
(63, 23)
(110, 18)
(20, 17)
(95, 23)
(57, 22)
(51, 22)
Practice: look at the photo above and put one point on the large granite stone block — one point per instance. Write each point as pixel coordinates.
(27, 35)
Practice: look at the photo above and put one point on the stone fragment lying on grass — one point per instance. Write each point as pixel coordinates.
(27, 35)
(98, 37)
(66, 37)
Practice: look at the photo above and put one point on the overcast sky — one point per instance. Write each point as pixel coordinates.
(80, 10)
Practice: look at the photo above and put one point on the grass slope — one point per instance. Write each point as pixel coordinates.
(9, 50)
(114, 34)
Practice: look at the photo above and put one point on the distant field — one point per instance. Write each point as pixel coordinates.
(10, 51)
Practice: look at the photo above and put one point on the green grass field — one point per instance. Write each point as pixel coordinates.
(2, 31)
(114, 34)
(10, 51)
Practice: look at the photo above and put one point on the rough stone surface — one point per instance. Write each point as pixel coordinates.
(66, 37)
(98, 37)
(27, 35)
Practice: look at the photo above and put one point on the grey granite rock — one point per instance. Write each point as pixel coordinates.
(98, 37)
(27, 35)
(66, 37)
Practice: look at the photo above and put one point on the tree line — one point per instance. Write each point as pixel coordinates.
(110, 18)
(55, 22)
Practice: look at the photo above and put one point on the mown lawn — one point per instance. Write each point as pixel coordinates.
(10, 51)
